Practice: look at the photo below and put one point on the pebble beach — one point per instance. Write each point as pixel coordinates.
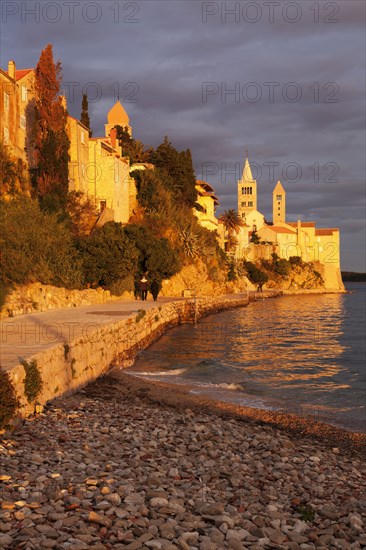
(130, 464)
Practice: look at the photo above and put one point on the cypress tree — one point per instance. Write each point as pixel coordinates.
(51, 140)
(85, 119)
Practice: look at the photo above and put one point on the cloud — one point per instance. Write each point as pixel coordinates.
(170, 52)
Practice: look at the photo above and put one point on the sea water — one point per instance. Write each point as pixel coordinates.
(301, 354)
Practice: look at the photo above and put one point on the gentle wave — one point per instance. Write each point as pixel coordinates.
(303, 354)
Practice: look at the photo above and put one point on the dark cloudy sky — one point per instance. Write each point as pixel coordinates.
(297, 70)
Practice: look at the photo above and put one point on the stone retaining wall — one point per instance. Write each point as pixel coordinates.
(36, 297)
(69, 366)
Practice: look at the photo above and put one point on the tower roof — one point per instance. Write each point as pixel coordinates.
(247, 172)
(279, 189)
(118, 115)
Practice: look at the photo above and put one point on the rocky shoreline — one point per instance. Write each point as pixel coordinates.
(128, 464)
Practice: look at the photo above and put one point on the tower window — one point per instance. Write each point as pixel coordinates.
(243, 190)
(279, 208)
(279, 197)
(250, 203)
(250, 190)
(243, 204)
(102, 205)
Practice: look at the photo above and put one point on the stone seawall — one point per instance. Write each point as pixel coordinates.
(68, 366)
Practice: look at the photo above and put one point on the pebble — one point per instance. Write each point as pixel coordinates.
(110, 469)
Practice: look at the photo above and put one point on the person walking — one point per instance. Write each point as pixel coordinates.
(155, 288)
(143, 288)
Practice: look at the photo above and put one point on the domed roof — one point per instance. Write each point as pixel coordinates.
(117, 115)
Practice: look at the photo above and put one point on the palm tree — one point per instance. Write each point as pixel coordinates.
(232, 221)
(138, 151)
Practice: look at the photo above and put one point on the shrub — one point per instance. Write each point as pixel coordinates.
(140, 315)
(9, 401)
(33, 382)
(108, 255)
(255, 238)
(255, 275)
(295, 260)
(35, 246)
(123, 285)
(282, 267)
(266, 264)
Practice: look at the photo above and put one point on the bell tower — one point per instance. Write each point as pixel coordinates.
(279, 203)
(247, 191)
(117, 116)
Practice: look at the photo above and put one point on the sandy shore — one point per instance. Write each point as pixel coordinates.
(130, 464)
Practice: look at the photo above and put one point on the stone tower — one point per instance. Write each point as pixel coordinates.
(279, 203)
(247, 191)
(117, 116)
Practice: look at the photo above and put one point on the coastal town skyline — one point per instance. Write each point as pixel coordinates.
(212, 85)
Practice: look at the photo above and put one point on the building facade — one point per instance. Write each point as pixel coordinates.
(97, 167)
(285, 238)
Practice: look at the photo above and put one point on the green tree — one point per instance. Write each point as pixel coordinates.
(177, 172)
(85, 119)
(156, 255)
(108, 255)
(35, 246)
(254, 237)
(255, 275)
(51, 140)
(133, 148)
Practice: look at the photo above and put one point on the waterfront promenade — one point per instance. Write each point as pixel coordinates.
(26, 335)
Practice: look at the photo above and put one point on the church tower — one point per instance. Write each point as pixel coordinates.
(117, 116)
(247, 191)
(279, 203)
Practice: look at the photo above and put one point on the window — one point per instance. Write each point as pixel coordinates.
(250, 203)
(243, 215)
(6, 102)
(279, 197)
(250, 190)
(24, 93)
(102, 205)
(279, 208)
(243, 203)
(6, 136)
(23, 122)
(243, 190)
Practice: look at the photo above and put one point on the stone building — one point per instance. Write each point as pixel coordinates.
(97, 167)
(285, 238)
(16, 112)
(208, 202)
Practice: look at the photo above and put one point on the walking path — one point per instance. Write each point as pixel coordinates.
(26, 335)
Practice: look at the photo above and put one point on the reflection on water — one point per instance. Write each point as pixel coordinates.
(300, 354)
